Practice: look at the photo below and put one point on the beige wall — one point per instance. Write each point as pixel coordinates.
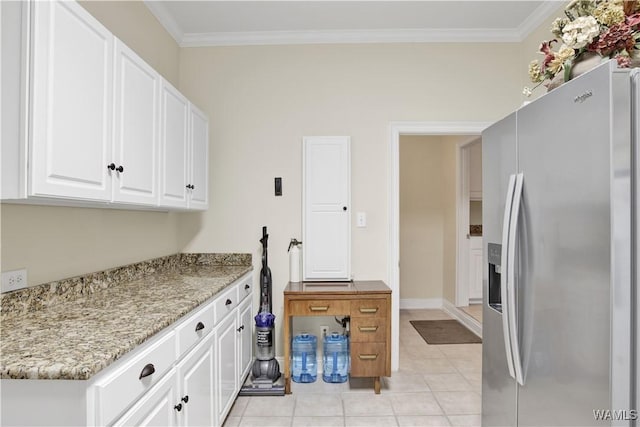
(421, 217)
(133, 23)
(57, 242)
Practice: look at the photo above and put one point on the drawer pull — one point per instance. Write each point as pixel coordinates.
(147, 370)
(247, 287)
(228, 302)
(368, 310)
(368, 328)
(185, 399)
(240, 328)
(178, 407)
(318, 308)
(199, 326)
(367, 356)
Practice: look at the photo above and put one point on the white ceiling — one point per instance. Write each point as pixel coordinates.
(216, 23)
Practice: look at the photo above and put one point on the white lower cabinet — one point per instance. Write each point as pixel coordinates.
(189, 374)
(226, 366)
(195, 403)
(156, 408)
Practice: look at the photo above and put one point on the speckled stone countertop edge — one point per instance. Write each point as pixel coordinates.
(22, 301)
(76, 338)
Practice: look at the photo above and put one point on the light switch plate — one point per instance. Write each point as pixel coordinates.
(361, 219)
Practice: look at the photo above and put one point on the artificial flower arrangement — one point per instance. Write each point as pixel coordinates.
(607, 28)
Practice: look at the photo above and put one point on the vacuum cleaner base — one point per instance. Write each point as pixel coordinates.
(262, 387)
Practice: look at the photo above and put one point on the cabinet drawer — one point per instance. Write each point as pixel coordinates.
(196, 327)
(369, 308)
(318, 307)
(245, 288)
(117, 391)
(368, 329)
(368, 359)
(225, 303)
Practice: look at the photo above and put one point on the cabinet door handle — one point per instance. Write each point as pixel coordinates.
(185, 399)
(120, 169)
(247, 287)
(147, 370)
(344, 208)
(367, 328)
(240, 328)
(199, 326)
(368, 310)
(367, 356)
(318, 308)
(111, 166)
(178, 407)
(228, 302)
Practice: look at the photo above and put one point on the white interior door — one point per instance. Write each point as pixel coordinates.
(326, 208)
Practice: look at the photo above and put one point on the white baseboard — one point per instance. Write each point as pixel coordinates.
(464, 318)
(417, 303)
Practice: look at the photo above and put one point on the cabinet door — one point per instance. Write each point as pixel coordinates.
(155, 408)
(326, 208)
(199, 159)
(72, 100)
(173, 147)
(137, 104)
(245, 350)
(226, 365)
(195, 375)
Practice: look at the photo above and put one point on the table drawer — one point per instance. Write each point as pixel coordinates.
(117, 391)
(226, 302)
(368, 329)
(368, 359)
(318, 307)
(196, 327)
(369, 308)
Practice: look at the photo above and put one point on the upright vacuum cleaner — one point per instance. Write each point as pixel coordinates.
(265, 378)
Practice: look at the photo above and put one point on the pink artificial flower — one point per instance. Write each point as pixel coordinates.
(633, 20)
(545, 49)
(623, 61)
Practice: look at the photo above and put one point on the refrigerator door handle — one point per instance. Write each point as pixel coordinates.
(511, 279)
(506, 222)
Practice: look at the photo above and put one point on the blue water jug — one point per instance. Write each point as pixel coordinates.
(304, 366)
(335, 358)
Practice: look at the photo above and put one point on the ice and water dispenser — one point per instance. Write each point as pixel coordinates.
(495, 270)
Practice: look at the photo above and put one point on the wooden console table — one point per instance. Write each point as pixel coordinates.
(368, 303)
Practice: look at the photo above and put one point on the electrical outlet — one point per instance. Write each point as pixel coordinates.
(324, 330)
(13, 280)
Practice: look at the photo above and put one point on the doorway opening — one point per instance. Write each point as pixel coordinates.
(467, 132)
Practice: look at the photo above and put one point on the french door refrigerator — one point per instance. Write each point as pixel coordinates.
(559, 221)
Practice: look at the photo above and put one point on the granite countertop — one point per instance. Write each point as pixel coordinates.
(73, 329)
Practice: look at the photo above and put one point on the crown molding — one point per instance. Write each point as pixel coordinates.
(159, 10)
(447, 35)
(349, 36)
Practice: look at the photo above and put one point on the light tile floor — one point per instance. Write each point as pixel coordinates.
(436, 385)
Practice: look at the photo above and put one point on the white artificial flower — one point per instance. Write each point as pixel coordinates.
(580, 32)
(527, 91)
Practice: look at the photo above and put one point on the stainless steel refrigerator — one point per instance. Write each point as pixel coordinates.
(559, 226)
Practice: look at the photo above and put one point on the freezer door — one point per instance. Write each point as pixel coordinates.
(574, 187)
(498, 163)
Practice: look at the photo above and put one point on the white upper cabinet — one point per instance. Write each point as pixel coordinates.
(184, 152)
(326, 208)
(173, 145)
(199, 153)
(71, 104)
(136, 130)
(88, 122)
